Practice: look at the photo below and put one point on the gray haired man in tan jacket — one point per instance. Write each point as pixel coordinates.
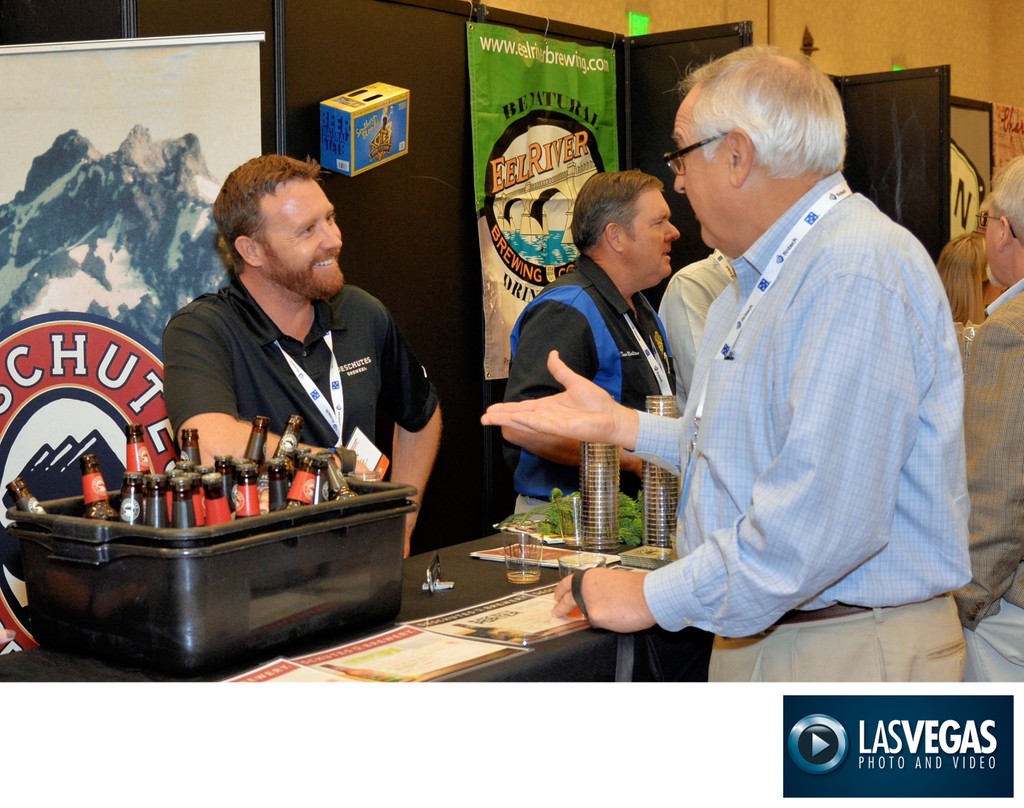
(992, 604)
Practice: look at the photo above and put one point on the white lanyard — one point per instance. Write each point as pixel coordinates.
(334, 412)
(654, 361)
(811, 216)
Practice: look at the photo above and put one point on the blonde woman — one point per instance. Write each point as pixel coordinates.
(961, 267)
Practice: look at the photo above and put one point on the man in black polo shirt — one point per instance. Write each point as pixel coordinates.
(598, 321)
(288, 337)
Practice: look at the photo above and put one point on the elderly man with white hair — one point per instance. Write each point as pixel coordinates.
(992, 604)
(823, 519)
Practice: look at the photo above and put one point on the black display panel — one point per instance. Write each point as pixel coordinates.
(898, 147)
(654, 67)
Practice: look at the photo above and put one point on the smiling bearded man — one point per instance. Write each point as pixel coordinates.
(287, 336)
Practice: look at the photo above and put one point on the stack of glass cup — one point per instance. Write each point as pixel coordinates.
(661, 487)
(599, 497)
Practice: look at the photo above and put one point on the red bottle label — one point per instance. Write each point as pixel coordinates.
(199, 506)
(93, 488)
(302, 487)
(217, 511)
(137, 458)
(247, 500)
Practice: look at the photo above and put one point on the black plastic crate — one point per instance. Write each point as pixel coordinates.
(191, 600)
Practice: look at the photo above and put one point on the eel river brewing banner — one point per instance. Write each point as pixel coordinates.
(544, 121)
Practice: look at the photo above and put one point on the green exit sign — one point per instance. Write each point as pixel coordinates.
(639, 24)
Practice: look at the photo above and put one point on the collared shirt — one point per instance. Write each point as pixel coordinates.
(829, 463)
(1010, 293)
(582, 315)
(220, 355)
(684, 310)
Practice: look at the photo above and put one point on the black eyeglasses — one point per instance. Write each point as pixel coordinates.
(985, 217)
(674, 159)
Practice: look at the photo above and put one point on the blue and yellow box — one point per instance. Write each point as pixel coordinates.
(364, 128)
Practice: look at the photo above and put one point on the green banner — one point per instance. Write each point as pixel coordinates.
(544, 121)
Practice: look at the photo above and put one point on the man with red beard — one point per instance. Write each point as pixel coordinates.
(287, 337)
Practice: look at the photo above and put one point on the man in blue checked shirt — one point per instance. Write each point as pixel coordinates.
(823, 518)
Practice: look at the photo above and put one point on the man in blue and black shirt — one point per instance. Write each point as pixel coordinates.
(599, 322)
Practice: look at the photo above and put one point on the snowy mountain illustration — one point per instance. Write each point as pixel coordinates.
(127, 235)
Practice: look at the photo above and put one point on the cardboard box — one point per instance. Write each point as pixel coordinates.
(364, 128)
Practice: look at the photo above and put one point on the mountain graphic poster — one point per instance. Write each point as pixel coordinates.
(114, 153)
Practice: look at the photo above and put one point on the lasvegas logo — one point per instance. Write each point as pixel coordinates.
(898, 746)
(69, 383)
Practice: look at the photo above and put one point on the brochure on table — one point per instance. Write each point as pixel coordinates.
(435, 648)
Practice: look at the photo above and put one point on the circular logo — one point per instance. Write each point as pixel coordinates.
(535, 170)
(817, 743)
(69, 382)
(130, 510)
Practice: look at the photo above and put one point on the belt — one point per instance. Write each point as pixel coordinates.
(810, 615)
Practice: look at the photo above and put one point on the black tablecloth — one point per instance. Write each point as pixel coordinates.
(589, 655)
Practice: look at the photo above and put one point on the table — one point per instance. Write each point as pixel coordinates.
(589, 655)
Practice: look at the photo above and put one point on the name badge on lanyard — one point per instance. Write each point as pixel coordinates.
(331, 406)
(788, 243)
(654, 361)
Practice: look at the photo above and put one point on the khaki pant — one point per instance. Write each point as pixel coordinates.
(995, 649)
(922, 642)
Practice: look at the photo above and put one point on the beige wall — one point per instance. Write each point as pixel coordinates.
(979, 40)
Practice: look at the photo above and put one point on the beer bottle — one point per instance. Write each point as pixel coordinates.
(136, 453)
(196, 492)
(290, 441)
(131, 497)
(94, 490)
(189, 443)
(200, 471)
(23, 498)
(182, 510)
(256, 448)
(154, 501)
(321, 484)
(301, 491)
(247, 497)
(225, 466)
(338, 485)
(277, 478)
(217, 509)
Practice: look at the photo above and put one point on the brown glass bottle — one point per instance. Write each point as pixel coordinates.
(196, 487)
(131, 497)
(246, 494)
(154, 501)
(338, 485)
(23, 498)
(94, 490)
(136, 453)
(183, 512)
(289, 442)
(277, 481)
(188, 441)
(225, 466)
(256, 448)
(303, 484)
(216, 503)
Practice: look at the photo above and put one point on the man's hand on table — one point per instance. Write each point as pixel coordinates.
(614, 600)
